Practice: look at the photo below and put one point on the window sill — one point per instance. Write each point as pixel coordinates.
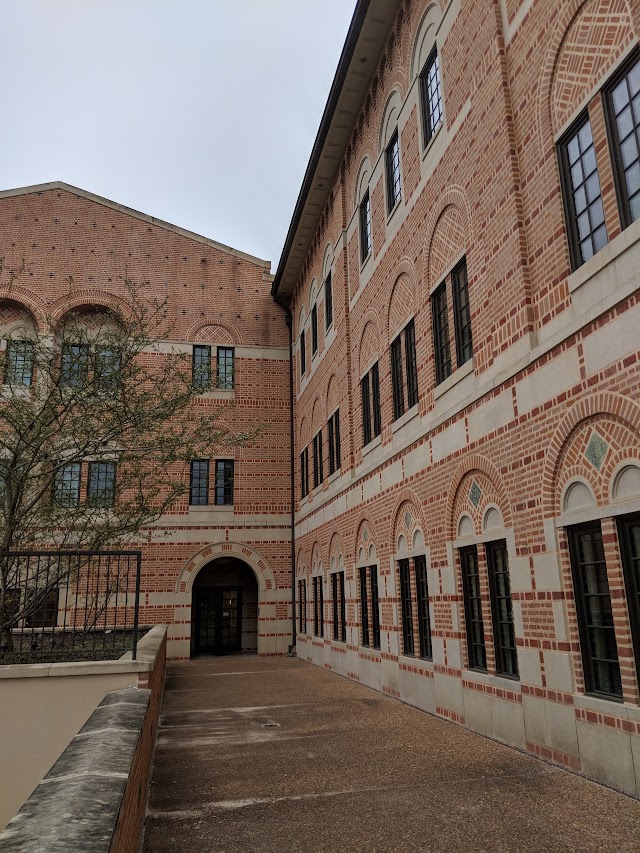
(334, 476)
(409, 415)
(375, 442)
(602, 704)
(427, 149)
(457, 376)
(365, 261)
(605, 256)
(15, 390)
(393, 210)
(503, 682)
(217, 394)
(210, 507)
(317, 489)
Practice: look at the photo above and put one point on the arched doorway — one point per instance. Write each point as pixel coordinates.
(224, 612)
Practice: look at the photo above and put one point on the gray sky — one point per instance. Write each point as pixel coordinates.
(200, 112)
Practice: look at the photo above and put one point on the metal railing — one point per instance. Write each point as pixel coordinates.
(68, 605)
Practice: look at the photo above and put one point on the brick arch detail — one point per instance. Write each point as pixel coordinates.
(315, 549)
(402, 300)
(455, 197)
(365, 519)
(369, 345)
(229, 330)
(317, 415)
(301, 562)
(406, 496)
(260, 567)
(476, 462)
(617, 406)
(335, 548)
(89, 298)
(333, 394)
(555, 42)
(27, 302)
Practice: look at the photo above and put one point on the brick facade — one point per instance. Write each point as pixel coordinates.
(490, 454)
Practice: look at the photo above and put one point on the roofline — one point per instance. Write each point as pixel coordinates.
(346, 56)
(144, 217)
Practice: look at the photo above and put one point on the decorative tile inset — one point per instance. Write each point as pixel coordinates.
(475, 494)
(365, 534)
(596, 450)
(407, 519)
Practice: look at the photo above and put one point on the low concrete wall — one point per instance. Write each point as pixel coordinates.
(45, 705)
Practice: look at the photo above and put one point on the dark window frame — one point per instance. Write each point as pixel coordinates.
(366, 239)
(569, 192)
(631, 578)
(472, 595)
(429, 108)
(441, 338)
(303, 354)
(397, 377)
(318, 461)
(74, 364)
(424, 618)
(371, 412)
(71, 473)
(339, 607)
(201, 367)
(365, 637)
(199, 475)
(19, 362)
(224, 483)
(411, 363)
(99, 492)
(226, 368)
(375, 606)
(302, 605)
(314, 330)
(462, 312)
(333, 426)
(613, 138)
(304, 472)
(392, 171)
(587, 631)
(328, 301)
(506, 653)
(318, 606)
(406, 607)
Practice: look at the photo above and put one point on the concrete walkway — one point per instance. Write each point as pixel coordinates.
(271, 754)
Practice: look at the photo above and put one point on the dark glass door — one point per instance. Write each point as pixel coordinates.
(218, 615)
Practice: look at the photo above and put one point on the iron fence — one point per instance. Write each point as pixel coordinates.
(68, 605)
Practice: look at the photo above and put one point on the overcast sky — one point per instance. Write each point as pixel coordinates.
(200, 112)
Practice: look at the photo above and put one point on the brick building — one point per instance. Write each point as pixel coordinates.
(462, 271)
(216, 567)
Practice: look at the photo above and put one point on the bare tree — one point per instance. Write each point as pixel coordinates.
(100, 395)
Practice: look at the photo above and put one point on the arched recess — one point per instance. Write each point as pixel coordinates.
(335, 559)
(401, 304)
(313, 294)
(448, 229)
(17, 320)
(369, 349)
(389, 118)
(302, 319)
(475, 487)
(317, 416)
(614, 420)
(218, 333)
(407, 520)
(301, 563)
(316, 558)
(587, 39)
(425, 38)
(327, 261)
(333, 395)
(28, 302)
(88, 299)
(263, 572)
(303, 435)
(362, 180)
(366, 550)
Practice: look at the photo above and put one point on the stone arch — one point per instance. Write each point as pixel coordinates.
(327, 260)
(302, 319)
(219, 333)
(316, 557)
(362, 179)
(625, 482)
(87, 299)
(447, 248)
(317, 416)
(390, 117)
(425, 38)
(260, 567)
(333, 395)
(313, 293)
(301, 563)
(478, 469)
(580, 24)
(17, 318)
(369, 348)
(406, 519)
(615, 407)
(335, 554)
(20, 297)
(366, 535)
(401, 304)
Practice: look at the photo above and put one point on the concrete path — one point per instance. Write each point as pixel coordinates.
(271, 754)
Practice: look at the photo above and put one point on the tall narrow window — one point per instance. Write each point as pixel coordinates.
(303, 354)
(334, 441)
(406, 605)
(314, 330)
(101, 486)
(224, 482)
(225, 377)
(318, 468)
(74, 365)
(366, 410)
(396, 378)
(424, 621)
(431, 96)
(440, 321)
(371, 415)
(201, 367)
(375, 606)
(375, 399)
(199, 483)
(364, 606)
(19, 363)
(501, 610)
(392, 167)
(462, 311)
(411, 364)
(304, 472)
(328, 302)
(473, 608)
(629, 533)
(623, 102)
(66, 488)
(583, 199)
(365, 227)
(339, 607)
(302, 606)
(595, 613)
(318, 607)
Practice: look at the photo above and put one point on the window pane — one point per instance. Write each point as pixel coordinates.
(424, 621)
(224, 482)
(407, 608)
(365, 227)
(462, 309)
(314, 329)
(397, 378)
(199, 488)
(375, 394)
(431, 96)
(364, 607)
(74, 365)
(366, 410)
(328, 302)
(411, 364)
(102, 482)
(19, 363)
(629, 534)
(375, 607)
(473, 609)
(303, 354)
(392, 161)
(107, 368)
(501, 608)
(67, 485)
(225, 367)
(440, 321)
